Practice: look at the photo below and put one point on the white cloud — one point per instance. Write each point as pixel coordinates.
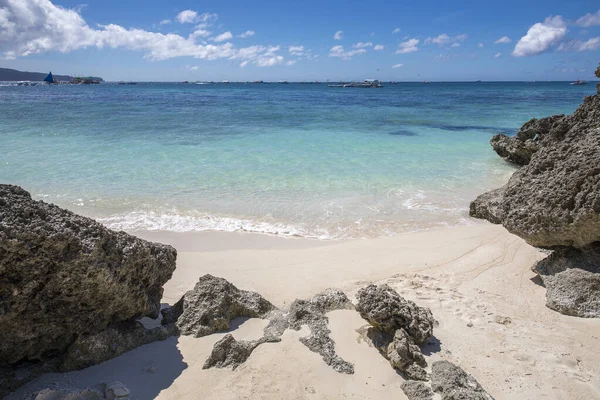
(455, 45)
(480, 45)
(503, 39)
(589, 20)
(578, 45)
(541, 37)
(290, 63)
(30, 27)
(408, 47)
(338, 51)
(247, 34)
(165, 22)
(444, 39)
(192, 68)
(378, 47)
(222, 37)
(187, 17)
(339, 35)
(398, 66)
(200, 33)
(498, 55)
(361, 45)
(397, 30)
(296, 50)
(243, 64)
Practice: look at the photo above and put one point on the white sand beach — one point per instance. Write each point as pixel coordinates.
(476, 280)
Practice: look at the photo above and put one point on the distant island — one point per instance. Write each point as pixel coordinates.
(7, 74)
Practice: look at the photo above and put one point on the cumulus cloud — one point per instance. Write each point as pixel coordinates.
(578, 45)
(222, 37)
(397, 30)
(187, 17)
(30, 27)
(246, 34)
(444, 39)
(497, 55)
(398, 66)
(296, 50)
(165, 22)
(378, 47)
(589, 20)
(339, 35)
(338, 51)
(541, 37)
(408, 46)
(503, 39)
(455, 45)
(361, 45)
(290, 63)
(480, 45)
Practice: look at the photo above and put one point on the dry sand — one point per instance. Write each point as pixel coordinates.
(476, 280)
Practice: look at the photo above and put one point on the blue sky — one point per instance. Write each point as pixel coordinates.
(273, 40)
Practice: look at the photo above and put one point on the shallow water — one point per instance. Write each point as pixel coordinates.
(291, 159)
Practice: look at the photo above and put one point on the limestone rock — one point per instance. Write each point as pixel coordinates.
(229, 352)
(212, 304)
(64, 276)
(388, 311)
(406, 356)
(312, 313)
(416, 390)
(572, 280)
(452, 383)
(116, 390)
(554, 201)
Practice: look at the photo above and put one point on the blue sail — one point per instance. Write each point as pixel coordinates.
(49, 78)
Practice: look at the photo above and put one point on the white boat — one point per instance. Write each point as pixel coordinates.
(367, 83)
(578, 82)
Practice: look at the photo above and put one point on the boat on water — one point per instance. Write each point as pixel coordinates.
(50, 79)
(578, 82)
(426, 82)
(367, 83)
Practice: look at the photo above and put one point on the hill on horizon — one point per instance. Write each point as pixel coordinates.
(7, 74)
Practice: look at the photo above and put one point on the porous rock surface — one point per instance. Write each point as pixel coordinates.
(399, 327)
(212, 305)
(572, 280)
(452, 383)
(416, 390)
(229, 352)
(111, 391)
(553, 202)
(312, 313)
(64, 276)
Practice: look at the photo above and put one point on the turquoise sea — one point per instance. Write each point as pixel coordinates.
(290, 159)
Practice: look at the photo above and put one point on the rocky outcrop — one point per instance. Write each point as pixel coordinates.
(416, 390)
(399, 327)
(553, 202)
(572, 280)
(452, 383)
(312, 313)
(103, 391)
(212, 305)
(598, 75)
(64, 277)
(229, 352)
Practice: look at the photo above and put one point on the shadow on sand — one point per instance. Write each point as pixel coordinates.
(146, 371)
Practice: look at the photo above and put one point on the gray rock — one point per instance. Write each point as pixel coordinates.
(598, 75)
(387, 311)
(572, 280)
(554, 201)
(116, 390)
(63, 276)
(229, 352)
(312, 313)
(212, 304)
(416, 390)
(534, 135)
(452, 383)
(406, 356)
(92, 349)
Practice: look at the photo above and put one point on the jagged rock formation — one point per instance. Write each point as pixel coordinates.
(553, 202)
(452, 383)
(449, 381)
(212, 305)
(64, 276)
(572, 280)
(312, 313)
(103, 391)
(400, 326)
(229, 352)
